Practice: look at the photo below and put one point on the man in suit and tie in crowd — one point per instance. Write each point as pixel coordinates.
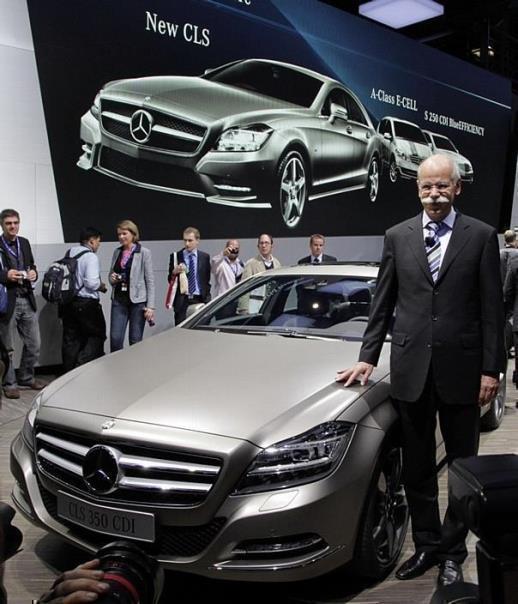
(317, 244)
(440, 273)
(196, 265)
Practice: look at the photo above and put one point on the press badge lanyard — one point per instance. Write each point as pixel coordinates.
(10, 250)
(124, 263)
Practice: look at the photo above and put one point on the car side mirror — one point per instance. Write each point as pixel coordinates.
(388, 136)
(338, 112)
(193, 309)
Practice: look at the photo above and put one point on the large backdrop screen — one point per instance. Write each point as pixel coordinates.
(243, 116)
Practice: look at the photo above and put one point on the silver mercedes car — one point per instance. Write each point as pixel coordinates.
(224, 447)
(252, 134)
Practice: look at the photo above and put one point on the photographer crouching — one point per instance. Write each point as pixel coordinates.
(121, 573)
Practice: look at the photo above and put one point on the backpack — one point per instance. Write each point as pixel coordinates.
(59, 281)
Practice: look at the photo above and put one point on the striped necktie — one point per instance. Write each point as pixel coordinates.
(191, 275)
(433, 247)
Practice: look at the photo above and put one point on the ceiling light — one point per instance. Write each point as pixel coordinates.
(477, 52)
(400, 13)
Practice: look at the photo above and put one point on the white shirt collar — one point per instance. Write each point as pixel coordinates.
(448, 221)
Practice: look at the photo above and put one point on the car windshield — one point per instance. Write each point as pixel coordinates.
(293, 305)
(444, 143)
(270, 79)
(409, 132)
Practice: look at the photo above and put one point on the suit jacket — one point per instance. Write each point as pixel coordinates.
(511, 291)
(325, 258)
(455, 324)
(203, 267)
(141, 279)
(7, 263)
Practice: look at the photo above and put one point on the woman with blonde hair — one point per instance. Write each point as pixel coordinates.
(133, 294)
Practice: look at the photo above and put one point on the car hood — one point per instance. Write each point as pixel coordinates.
(455, 156)
(258, 388)
(413, 148)
(195, 98)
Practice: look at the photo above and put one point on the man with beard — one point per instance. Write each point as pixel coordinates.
(440, 273)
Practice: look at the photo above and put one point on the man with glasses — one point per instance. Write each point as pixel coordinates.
(194, 265)
(264, 260)
(18, 273)
(440, 273)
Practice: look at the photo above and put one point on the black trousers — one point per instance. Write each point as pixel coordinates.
(182, 303)
(84, 332)
(460, 428)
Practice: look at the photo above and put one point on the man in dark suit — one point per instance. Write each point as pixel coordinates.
(18, 273)
(195, 265)
(440, 273)
(317, 243)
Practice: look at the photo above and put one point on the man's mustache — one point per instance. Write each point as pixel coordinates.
(436, 200)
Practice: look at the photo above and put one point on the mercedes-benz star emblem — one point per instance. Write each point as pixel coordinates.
(101, 469)
(141, 126)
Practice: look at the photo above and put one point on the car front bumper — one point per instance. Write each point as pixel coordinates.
(281, 535)
(239, 179)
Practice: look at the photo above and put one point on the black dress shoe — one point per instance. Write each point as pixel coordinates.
(416, 565)
(449, 572)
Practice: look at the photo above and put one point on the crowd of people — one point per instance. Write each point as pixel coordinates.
(192, 277)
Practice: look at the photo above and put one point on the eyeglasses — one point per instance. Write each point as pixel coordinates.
(442, 187)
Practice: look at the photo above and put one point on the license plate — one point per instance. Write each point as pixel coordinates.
(107, 520)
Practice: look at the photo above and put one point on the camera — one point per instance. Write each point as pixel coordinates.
(133, 576)
(233, 250)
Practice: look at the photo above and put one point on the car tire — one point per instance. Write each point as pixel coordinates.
(492, 419)
(385, 518)
(293, 192)
(393, 171)
(373, 179)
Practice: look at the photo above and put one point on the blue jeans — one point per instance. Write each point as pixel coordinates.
(121, 314)
(25, 322)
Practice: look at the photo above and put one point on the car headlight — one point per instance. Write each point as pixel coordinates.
(401, 154)
(94, 109)
(30, 418)
(251, 138)
(304, 458)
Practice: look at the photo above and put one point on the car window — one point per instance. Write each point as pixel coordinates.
(330, 306)
(441, 142)
(409, 132)
(269, 79)
(354, 111)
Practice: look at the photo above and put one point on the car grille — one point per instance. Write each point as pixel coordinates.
(151, 173)
(168, 133)
(416, 159)
(181, 541)
(147, 476)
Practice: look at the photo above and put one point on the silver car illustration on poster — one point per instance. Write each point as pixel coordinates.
(442, 144)
(404, 147)
(253, 134)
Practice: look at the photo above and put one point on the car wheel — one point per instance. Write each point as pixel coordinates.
(385, 519)
(373, 179)
(292, 175)
(493, 418)
(393, 171)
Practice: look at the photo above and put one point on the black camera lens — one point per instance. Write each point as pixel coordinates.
(133, 576)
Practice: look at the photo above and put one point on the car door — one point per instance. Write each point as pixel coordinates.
(341, 149)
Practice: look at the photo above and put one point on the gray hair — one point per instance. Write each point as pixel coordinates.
(438, 158)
